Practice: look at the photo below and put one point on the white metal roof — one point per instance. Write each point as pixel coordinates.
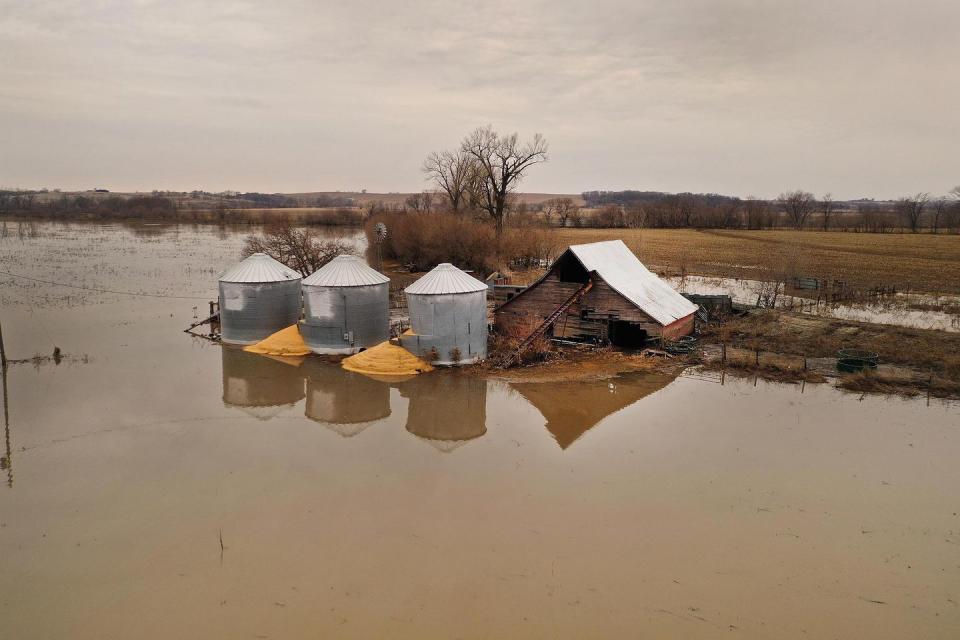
(345, 271)
(445, 278)
(259, 268)
(619, 268)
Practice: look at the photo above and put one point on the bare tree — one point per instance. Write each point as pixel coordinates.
(453, 173)
(501, 162)
(576, 217)
(419, 201)
(758, 212)
(560, 207)
(827, 205)
(940, 207)
(954, 212)
(910, 210)
(548, 209)
(797, 205)
(300, 249)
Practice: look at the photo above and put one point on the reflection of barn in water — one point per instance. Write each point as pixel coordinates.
(345, 402)
(446, 409)
(260, 386)
(572, 408)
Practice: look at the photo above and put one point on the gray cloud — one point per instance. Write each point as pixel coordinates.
(743, 97)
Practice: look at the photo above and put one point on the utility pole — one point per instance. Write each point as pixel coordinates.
(8, 460)
(3, 352)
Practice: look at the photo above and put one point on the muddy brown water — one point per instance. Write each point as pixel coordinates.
(445, 506)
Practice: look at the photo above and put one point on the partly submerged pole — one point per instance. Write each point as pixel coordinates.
(6, 423)
(3, 352)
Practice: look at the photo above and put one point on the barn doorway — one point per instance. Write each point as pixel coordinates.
(627, 335)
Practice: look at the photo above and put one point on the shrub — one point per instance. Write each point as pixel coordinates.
(420, 241)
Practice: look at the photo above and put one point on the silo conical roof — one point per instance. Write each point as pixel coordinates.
(445, 278)
(259, 267)
(345, 271)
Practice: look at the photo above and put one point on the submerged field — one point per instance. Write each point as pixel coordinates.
(156, 485)
(918, 262)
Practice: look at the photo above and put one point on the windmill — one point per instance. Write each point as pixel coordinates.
(380, 231)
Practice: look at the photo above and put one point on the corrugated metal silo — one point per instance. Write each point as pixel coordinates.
(346, 307)
(258, 297)
(448, 315)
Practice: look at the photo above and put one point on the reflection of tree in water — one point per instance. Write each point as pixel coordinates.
(345, 402)
(447, 409)
(572, 408)
(260, 386)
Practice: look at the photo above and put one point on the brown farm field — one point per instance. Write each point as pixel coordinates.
(916, 262)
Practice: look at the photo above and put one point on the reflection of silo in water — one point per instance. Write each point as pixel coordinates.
(260, 386)
(446, 409)
(345, 402)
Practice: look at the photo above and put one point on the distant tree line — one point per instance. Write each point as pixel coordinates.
(27, 203)
(792, 209)
(222, 208)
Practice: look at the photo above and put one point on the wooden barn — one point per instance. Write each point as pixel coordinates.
(598, 291)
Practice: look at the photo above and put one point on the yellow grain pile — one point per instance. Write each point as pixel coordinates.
(286, 342)
(387, 360)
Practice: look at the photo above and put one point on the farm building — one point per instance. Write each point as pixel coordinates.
(599, 291)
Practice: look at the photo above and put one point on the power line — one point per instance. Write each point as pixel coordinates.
(123, 293)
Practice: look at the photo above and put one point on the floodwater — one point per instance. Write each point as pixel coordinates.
(444, 506)
(894, 310)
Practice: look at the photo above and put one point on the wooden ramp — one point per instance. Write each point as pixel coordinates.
(514, 356)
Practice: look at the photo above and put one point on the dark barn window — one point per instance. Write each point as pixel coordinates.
(627, 335)
(569, 269)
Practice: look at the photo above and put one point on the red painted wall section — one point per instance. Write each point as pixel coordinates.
(679, 328)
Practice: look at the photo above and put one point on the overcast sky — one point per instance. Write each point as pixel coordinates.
(855, 97)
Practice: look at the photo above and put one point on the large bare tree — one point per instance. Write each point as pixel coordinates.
(303, 250)
(501, 162)
(797, 205)
(910, 210)
(454, 173)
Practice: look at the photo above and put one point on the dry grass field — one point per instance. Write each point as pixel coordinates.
(916, 262)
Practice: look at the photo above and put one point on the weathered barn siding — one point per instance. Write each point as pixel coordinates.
(600, 304)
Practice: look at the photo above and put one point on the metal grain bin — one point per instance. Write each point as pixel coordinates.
(346, 307)
(258, 297)
(261, 387)
(448, 317)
